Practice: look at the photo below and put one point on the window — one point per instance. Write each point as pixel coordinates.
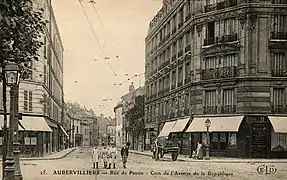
(119, 134)
(219, 141)
(228, 101)
(210, 101)
(187, 100)
(77, 129)
(278, 99)
(28, 101)
(278, 65)
(278, 141)
(45, 74)
(173, 78)
(278, 23)
(187, 70)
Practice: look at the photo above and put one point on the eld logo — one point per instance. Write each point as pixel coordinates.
(265, 169)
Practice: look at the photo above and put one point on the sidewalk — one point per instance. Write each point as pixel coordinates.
(53, 156)
(213, 159)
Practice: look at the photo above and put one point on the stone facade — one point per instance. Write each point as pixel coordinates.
(221, 58)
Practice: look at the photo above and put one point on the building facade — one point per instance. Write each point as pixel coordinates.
(41, 96)
(118, 110)
(85, 131)
(111, 132)
(128, 102)
(223, 60)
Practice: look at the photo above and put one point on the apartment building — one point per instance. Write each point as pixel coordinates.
(41, 96)
(118, 110)
(222, 60)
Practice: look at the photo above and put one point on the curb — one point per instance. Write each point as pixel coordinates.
(43, 158)
(216, 161)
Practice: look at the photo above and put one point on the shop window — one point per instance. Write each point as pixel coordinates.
(232, 141)
(279, 141)
(218, 141)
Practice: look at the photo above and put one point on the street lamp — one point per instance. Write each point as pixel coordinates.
(207, 125)
(12, 76)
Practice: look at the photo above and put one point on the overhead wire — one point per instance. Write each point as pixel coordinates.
(95, 35)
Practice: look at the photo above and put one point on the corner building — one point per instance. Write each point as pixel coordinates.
(222, 60)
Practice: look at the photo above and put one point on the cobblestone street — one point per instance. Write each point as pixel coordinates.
(143, 167)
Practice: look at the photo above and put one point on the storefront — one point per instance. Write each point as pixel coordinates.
(151, 130)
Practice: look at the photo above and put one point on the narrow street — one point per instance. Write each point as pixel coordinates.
(142, 168)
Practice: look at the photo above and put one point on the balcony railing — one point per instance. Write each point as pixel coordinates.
(208, 41)
(231, 3)
(209, 8)
(279, 1)
(279, 35)
(179, 84)
(172, 115)
(218, 73)
(278, 109)
(210, 109)
(164, 64)
(180, 24)
(179, 112)
(227, 38)
(278, 73)
(167, 36)
(228, 109)
(221, 5)
(187, 17)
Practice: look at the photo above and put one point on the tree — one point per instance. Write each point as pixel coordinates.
(21, 29)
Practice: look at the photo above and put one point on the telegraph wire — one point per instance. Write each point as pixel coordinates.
(95, 35)
(97, 14)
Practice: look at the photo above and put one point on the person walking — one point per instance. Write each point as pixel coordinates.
(105, 156)
(96, 157)
(112, 156)
(125, 154)
(199, 153)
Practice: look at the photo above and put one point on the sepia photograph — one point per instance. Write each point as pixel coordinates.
(143, 89)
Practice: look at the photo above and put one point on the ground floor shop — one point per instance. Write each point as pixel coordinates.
(251, 136)
(38, 136)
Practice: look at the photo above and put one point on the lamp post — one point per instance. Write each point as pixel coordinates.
(207, 125)
(12, 76)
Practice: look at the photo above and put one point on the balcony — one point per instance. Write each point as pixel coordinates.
(227, 38)
(180, 53)
(209, 8)
(279, 2)
(208, 41)
(187, 48)
(219, 73)
(278, 73)
(179, 84)
(278, 109)
(173, 31)
(210, 109)
(187, 17)
(279, 35)
(228, 109)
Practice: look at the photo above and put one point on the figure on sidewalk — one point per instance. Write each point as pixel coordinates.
(105, 155)
(124, 155)
(96, 157)
(112, 156)
(199, 153)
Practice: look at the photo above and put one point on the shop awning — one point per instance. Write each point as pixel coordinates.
(35, 123)
(167, 128)
(180, 125)
(279, 124)
(64, 131)
(218, 124)
(2, 123)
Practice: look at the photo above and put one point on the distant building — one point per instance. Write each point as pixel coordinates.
(85, 131)
(119, 125)
(111, 132)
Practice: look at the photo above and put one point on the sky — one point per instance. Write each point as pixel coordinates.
(118, 30)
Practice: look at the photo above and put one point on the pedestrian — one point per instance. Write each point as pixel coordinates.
(199, 153)
(155, 150)
(105, 156)
(96, 157)
(125, 154)
(112, 156)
